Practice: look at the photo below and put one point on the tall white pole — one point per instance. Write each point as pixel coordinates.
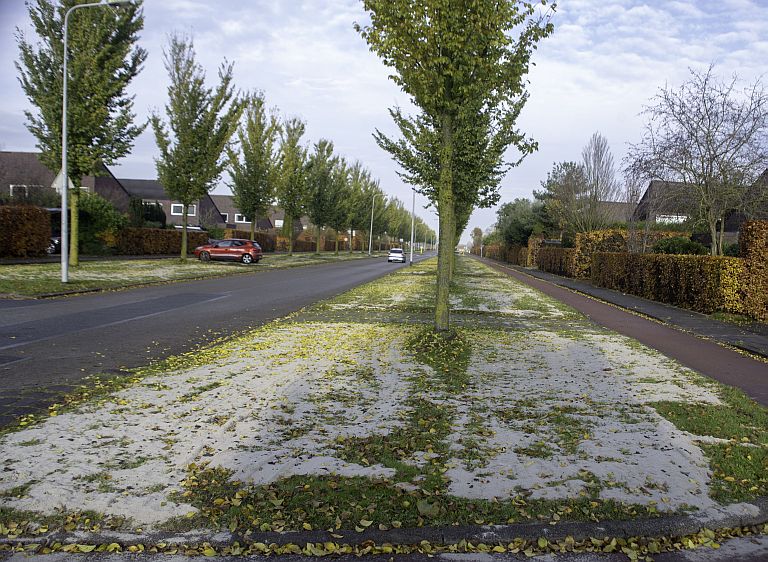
(413, 222)
(64, 170)
(370, 233)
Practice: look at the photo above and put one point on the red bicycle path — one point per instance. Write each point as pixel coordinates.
(705, 356)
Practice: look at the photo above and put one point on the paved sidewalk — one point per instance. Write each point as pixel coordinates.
(690, 338)
(750, 337)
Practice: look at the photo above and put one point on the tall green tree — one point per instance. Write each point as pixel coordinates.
(457, 60)
(338, 207)
(292, 176)
(517, 220)
(201, 121)
(321, 198)
(103, 58)
(253, 165)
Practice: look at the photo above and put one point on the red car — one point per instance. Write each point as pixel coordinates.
(246, 251)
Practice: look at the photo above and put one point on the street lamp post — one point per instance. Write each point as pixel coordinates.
(370, 233)
(413, 222)
(64, 172)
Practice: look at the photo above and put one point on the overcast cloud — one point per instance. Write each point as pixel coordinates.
(605, 60)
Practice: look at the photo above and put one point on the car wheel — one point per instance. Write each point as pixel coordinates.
(246, 258)
(205, 256)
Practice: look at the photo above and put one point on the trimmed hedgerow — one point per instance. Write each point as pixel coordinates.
(753, 246)
(156, 241)
(611, 240)
(25, 231)
(702, 283)
(264, 240)
(559, 261)
(534, 243)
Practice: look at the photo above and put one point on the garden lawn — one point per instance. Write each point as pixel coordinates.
(44, 279)
(353, 415)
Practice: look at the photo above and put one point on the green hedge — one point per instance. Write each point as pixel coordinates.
(264, 240)
(753, 246)
(702, 283)
(559, 261)
(156, 241)
(25, 231)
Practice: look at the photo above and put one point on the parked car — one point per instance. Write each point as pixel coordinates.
(246, 251)
(396, 254)
(54, 245)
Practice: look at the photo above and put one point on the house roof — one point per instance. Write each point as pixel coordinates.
(617, 211)
(663, 197)
(24, 168)
(226, 204)
(144, 189)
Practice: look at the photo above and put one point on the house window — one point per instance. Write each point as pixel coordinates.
(177, 209)
(225, 217)
(241, 218)
(278, 223)
(671, 219)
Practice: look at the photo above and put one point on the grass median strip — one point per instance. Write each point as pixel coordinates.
(45, 278)
(347, 417)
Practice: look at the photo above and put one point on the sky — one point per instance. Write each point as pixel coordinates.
(604, 63)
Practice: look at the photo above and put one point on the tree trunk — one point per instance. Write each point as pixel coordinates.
(317, 246)
(74, 227)
(184, 233)
(336, 241)
(446, 211)
(289, 230)
(350, 240)
(253, 228)
(720, 238)
(713, 235)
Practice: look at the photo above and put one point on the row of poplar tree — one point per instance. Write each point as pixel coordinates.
(203, 132)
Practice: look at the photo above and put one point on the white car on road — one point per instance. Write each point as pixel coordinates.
(396, 254)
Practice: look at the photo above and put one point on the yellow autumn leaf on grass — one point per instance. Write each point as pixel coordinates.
(86, 547)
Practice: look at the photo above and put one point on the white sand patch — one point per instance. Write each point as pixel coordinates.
(124, 457)
(564, 413)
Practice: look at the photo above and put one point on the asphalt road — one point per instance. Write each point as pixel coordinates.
(47, 346)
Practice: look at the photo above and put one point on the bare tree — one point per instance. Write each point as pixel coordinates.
(710, 137)
(600, 185)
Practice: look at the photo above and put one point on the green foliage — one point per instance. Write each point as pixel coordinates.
(463, 67)
(102, 60)
(100, 110)
(679, 245)
(46, 197)
(25, 231)
(326, 187)
(518, 220)
(731, 250)
(200, 123)
(253, 168)
(702, 283)
(100, 223)
(292, 176)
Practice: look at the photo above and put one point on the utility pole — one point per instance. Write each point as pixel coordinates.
(413, 222)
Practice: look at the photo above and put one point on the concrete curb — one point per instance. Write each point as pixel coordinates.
(735, 515)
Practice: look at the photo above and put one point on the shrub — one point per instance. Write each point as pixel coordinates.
(753, 245)
(610, 240)
(156, 241)
(702, 283)
(679, 245)
(559, 261)
(99, 224)
(731, 250)
(25, 231)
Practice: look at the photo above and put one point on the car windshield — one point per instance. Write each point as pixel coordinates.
(395, 251)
